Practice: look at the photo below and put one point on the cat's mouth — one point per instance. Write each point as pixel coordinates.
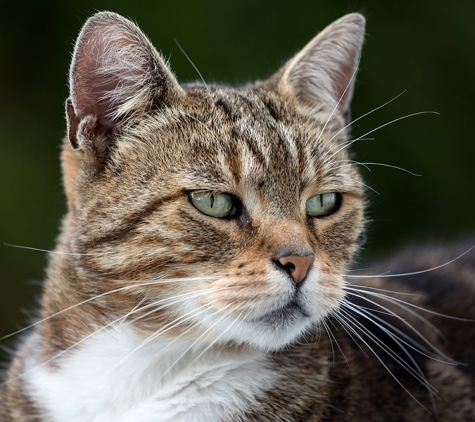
(287, 315)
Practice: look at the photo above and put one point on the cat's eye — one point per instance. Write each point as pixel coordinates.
(321, 205)
(218, 205)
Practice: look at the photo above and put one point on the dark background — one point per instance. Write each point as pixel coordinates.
(425, 47)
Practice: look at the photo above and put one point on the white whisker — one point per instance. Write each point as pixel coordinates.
(205, 85)
(120, 289)
(221, 335)
(134, 309)
(168, 302)
(364, 115)
(417, 373)
(403, 305)
(394, 299)
(366, 186)
(171, 325)
(415, 345)
(357, 287)
(388, 351)
(347, 144)
(200, 338)
(414, 272)
(357, 163)
(341, 98)
(330, 333)
(58, 355)
(10, 245)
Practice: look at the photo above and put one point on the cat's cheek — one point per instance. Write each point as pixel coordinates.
(336, 237)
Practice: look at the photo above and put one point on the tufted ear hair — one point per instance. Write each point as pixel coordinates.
(116, 74)
(324, 71)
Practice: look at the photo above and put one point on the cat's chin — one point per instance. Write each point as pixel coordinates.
(278, 328)
(282, 317)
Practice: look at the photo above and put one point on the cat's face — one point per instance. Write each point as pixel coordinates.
(222, 214)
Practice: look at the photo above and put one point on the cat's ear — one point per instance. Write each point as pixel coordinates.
(325, 70)
(115, 74)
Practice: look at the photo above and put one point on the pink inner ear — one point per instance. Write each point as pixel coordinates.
(111, 63)
(97, 80)
(115, 74)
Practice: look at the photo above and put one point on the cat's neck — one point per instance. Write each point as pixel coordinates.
(119, 369)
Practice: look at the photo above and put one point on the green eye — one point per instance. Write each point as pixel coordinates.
(213, 204)
(321, 205)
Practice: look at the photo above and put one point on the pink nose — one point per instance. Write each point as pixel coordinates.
(296, 266)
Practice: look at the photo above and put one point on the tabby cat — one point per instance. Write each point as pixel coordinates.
(203, 268)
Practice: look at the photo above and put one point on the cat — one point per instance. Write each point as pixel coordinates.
(203, 270)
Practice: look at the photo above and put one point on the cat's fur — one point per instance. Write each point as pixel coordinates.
(154, 311)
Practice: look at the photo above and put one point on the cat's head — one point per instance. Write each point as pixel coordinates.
(230, 214)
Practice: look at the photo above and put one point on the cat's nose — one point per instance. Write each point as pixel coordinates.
(295, 265)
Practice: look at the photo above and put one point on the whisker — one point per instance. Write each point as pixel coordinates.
(417, 347)
(120, 289)
(374, 310)
(166, 301)
(341, 98)
(419, 375)
(357, 163)
(389, 352)
(415, 272)
(58, 355)
(205, 85)
(403, 305)
(337, 317)
(390, 166)
(134, 309)
(389, 298)
(221, 335)
(327, 330)
(349, 163)
(196, 341)
(366, 114)
(214, 313)
(10, 245)
(171, 325)
(330, 333)
(347, 144)
(366, 186)
(61, 353)
(357, 287)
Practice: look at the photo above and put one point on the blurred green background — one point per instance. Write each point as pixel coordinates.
(426, 48)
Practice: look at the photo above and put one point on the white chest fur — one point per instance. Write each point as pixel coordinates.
(110, 378)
